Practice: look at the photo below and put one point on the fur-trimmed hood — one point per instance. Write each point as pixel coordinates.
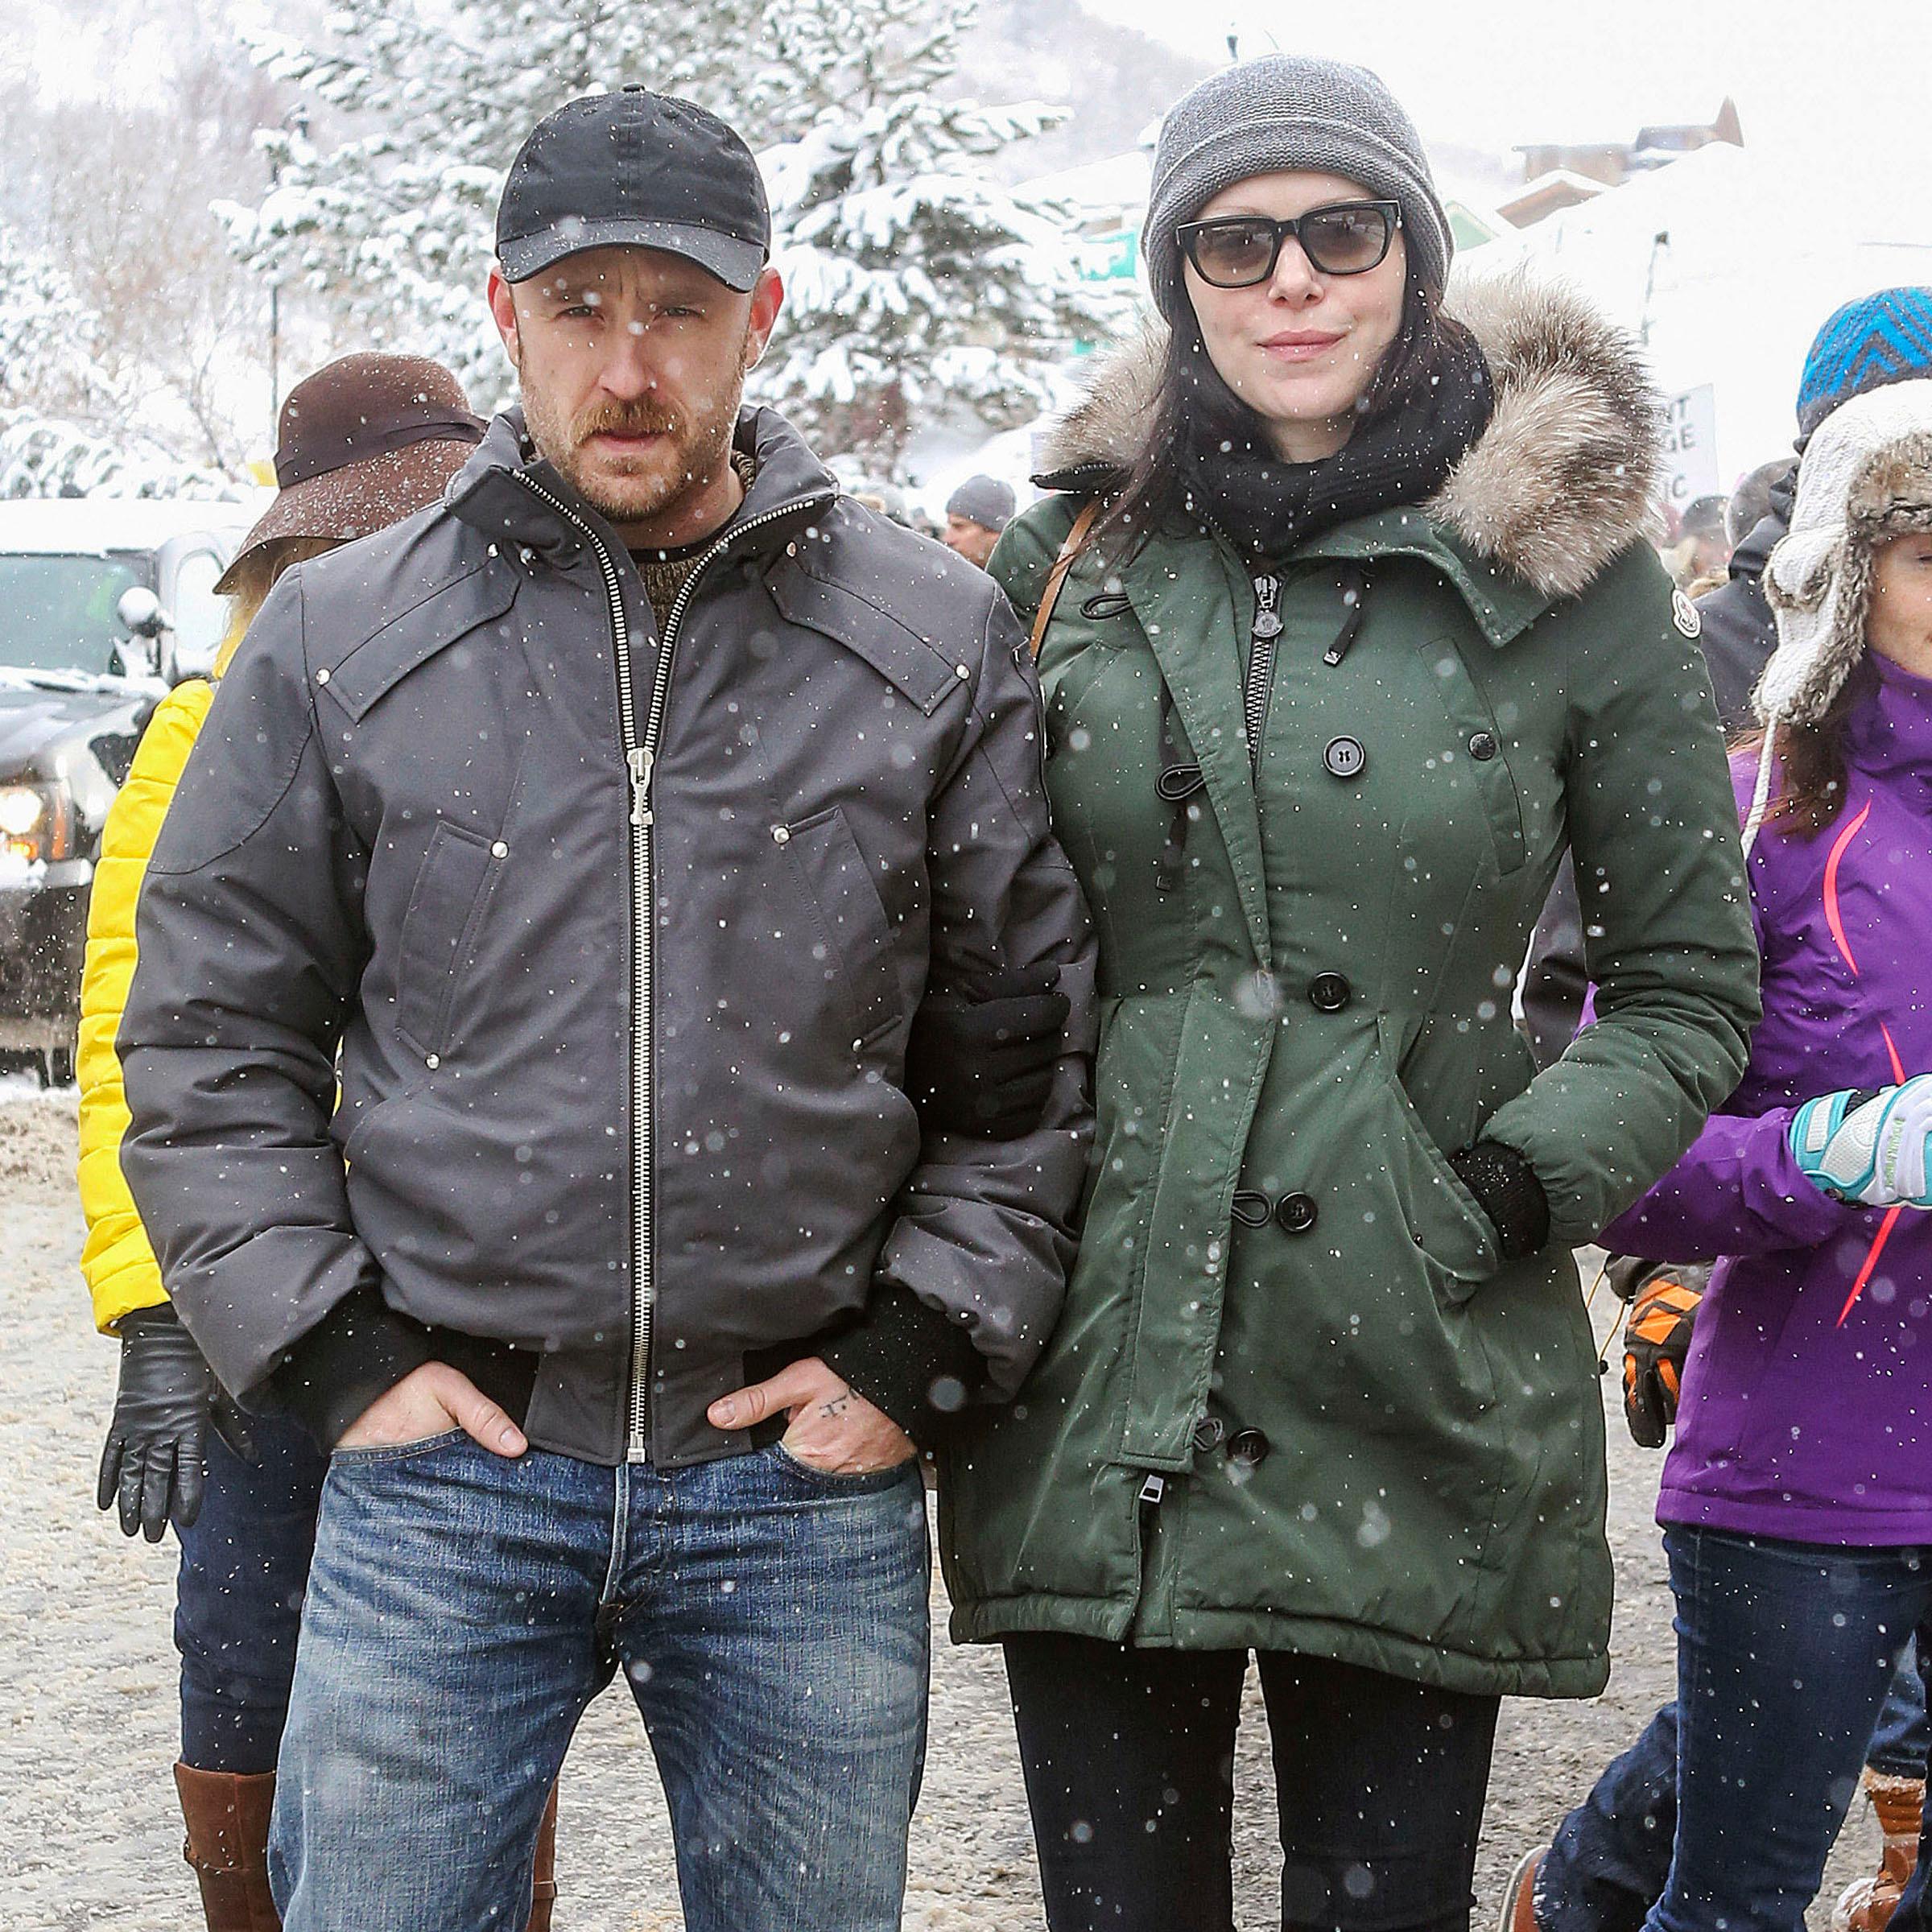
(1563, 479)
(1867, 477)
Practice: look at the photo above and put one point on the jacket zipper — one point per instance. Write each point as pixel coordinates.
(640, 755)
(1260, 662)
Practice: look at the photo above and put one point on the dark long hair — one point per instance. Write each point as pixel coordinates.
(1194, 408)
(1811, 775)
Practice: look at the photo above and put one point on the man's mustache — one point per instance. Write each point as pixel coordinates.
(625, 419)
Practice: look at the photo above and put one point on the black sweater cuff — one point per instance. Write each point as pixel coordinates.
(1507, 1190)
(360, 1349)
(908, 1360)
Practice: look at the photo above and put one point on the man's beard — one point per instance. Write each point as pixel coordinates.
(691, 453)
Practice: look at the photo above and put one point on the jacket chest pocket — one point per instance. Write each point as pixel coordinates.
(1474, 757)
(855, 932)
(452, 887)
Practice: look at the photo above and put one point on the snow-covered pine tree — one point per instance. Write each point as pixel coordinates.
(56, 402)
(48, 336)
(916, 289)
(394, 224)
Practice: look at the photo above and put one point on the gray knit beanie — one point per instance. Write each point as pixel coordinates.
(1289, 112)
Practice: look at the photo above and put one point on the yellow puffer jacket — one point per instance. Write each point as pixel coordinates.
(117, 1260)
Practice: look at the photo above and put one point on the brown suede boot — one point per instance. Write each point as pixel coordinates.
(227, 1819)
(1867, 1904)
(543, 1892)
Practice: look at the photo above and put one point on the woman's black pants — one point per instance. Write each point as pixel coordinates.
(1129, 1756)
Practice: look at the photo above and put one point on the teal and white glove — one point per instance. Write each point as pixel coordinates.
(1868, 1145)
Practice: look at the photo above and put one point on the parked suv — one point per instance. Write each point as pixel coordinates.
(104, 604)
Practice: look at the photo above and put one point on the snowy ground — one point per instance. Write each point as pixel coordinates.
(88, 1833)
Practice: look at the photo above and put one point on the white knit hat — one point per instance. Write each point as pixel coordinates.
(1866, 476)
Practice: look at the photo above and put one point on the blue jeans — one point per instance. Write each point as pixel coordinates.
(238, 1596)
(1611, 1855)
(462, 1610)
(1785, 1651)
(1899, 1743)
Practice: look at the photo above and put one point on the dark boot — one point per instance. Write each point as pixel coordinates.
(544, 1891)
(227, 1818)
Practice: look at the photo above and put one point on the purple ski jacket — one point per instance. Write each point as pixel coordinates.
(1806, 1410)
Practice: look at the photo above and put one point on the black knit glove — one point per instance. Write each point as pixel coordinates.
(153, 1462)
(983, 1065)
(1507, 1190)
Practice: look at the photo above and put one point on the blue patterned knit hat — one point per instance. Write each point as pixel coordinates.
(1878, 339)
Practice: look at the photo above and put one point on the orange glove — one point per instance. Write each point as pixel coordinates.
(1657, 1338)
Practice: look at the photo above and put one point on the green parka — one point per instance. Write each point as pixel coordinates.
(1295, 1401)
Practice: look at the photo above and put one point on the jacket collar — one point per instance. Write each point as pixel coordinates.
(1889, 736)
(493, 494)
(1560, 483)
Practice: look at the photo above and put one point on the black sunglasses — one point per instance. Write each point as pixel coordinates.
(1343, 238)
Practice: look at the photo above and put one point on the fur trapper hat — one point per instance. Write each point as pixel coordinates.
(1866, 477)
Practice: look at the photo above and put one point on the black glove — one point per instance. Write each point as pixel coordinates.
(983, 1065)
(1657, 1338)
(156, 1443)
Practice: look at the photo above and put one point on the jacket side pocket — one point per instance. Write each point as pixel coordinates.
(436, 931)
(839, 883)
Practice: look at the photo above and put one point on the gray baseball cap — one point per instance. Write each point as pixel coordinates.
(638, 170)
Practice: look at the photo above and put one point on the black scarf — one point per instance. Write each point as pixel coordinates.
(1402, 455)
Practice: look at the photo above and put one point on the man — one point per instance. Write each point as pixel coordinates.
(617, 817)
(976, 513)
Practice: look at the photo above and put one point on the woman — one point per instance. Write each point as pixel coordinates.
(1358, 632)
(361, 443)
(1797, 1502)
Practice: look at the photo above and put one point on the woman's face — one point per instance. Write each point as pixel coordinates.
(1900, 627)
(1300, 348)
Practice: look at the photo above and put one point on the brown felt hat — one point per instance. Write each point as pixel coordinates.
(361, 443)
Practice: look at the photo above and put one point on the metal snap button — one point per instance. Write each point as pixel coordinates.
(1249, 1447)
(1482, 747)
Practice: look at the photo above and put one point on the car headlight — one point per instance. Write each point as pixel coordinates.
(37, 822)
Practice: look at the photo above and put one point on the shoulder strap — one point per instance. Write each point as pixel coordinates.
(1077, 540)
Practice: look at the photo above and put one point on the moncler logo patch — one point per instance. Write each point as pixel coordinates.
(1683, 614)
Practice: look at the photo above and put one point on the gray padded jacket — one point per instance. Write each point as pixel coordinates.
(620, 937)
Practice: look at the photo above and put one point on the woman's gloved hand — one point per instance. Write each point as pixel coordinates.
(1657, 1338)
(1868, 1145)
(982, 1064)
(167, 1401)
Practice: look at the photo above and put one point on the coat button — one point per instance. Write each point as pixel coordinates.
(1208, 1431)
(1250, 1208)
(1297, 1213)
(1345, 758)
(1329, 992)
(1249, 1447)
(1482, 747)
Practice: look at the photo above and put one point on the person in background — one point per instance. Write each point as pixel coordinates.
(1795, 1500)
(1607, 1863)
(360, 443)
(976, 515)
(1336, 663)
(1697, 559)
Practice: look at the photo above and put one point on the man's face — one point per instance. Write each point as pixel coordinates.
(973, 541)
(632, 363)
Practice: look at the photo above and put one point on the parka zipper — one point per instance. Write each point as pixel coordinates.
(1260, 662)
(640, 755)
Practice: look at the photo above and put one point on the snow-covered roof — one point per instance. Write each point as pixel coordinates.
(87, 524)
(1118, 183)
